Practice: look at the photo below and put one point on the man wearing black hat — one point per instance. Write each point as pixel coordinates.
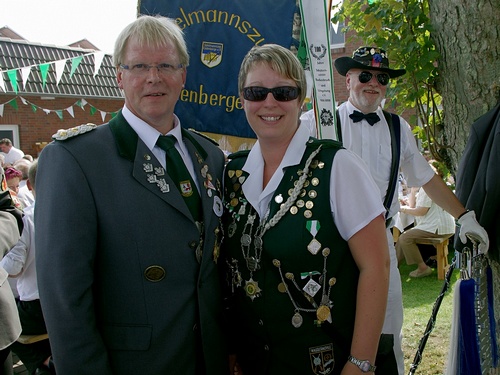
(365, 130)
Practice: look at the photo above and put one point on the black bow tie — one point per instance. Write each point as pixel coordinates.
(372, 118)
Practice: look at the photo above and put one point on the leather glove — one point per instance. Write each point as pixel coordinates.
(469, 226)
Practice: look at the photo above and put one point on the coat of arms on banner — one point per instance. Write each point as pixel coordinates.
(322, 361)
(211, 53)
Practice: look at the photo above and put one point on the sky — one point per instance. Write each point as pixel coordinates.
(62, 22)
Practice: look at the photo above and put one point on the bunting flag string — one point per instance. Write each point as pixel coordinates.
(81, 103)
(59, 65)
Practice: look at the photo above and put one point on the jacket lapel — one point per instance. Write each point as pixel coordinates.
(147, 170)
(210, 192)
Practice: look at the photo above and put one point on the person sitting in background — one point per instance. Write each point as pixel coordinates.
(431, 222)
(402, 221)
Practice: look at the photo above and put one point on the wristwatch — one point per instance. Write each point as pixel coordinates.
(364, 365)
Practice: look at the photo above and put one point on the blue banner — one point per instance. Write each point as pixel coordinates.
(219, 33)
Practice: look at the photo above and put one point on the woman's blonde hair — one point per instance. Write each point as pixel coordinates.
(280, 59)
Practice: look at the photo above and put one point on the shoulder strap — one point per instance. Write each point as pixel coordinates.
(395, 130)
(339, 128)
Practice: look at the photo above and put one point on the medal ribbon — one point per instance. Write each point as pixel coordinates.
(313, 227)
(305, 275)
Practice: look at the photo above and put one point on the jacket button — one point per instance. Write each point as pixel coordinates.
(261, 323)
(266, 348)
(154, 273)
(193, 244)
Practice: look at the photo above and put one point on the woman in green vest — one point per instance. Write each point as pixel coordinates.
(305, 250)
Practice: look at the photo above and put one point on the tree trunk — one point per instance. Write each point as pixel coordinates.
(466, 34)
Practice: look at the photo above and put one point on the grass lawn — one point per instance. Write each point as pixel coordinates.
(419, 296)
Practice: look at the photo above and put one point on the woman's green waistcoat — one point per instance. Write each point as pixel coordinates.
(261, 328)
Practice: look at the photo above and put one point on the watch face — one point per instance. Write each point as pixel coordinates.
(364, 366)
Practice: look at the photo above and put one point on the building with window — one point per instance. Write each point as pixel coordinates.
(44, 88)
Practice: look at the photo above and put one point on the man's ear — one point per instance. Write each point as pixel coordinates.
(348, 81)
(28, 184)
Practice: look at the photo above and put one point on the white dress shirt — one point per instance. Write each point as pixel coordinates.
(373, 145)
(353, 194)
(13, 155)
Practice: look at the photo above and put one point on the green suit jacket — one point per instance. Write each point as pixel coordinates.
(120, 286)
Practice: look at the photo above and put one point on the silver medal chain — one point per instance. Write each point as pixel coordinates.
(253, 263)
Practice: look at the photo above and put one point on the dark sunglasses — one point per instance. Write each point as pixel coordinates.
(281, 94)
(382, 78)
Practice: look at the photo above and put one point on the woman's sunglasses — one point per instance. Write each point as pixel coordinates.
(382, 78)
(281, 94)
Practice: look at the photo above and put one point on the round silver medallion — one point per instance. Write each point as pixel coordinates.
(246, 239)
(297, 320)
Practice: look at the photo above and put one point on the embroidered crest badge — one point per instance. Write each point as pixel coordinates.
(322, 361)
(186, 188)
(211, 54)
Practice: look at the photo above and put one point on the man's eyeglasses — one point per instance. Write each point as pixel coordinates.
(382, 78)
(281, 94)
(143, 69)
